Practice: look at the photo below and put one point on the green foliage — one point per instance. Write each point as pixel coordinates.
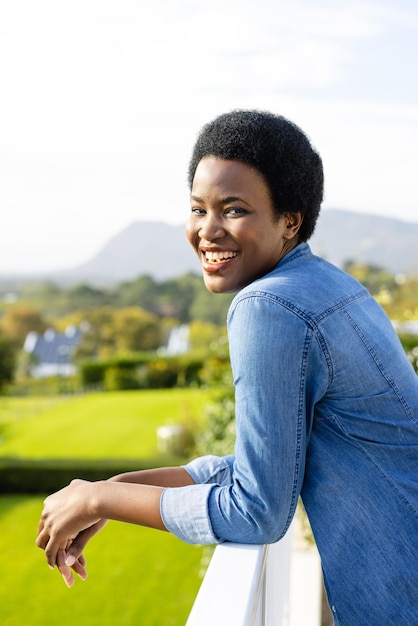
(142, 291)
(397, 294)
(218, 436)
(135, 329)
(401, 303)
(142, 371)
(162, 373)
(85, 297)
(120, 378)
(410, 345)
(7, 360)
(136, 575)
(373, 277)
(209, 307)
(19, 320)
(108, 332)
(184, 298)
(92, 373)
(203, 336)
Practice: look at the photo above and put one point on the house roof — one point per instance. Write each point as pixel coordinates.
(53, 347)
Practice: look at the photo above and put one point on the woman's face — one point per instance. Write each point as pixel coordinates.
(233, 227)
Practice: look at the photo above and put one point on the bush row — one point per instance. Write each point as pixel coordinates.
(144, 371)
(21, 476)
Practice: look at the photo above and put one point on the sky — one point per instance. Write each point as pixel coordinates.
(101, 102)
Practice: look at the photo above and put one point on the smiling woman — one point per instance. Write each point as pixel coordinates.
(326, 402)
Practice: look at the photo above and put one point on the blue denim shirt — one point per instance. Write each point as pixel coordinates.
(326, 408)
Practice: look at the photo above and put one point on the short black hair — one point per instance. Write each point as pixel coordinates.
(277, 149)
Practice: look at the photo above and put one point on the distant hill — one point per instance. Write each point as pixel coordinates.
(162, 251)
(153, 248)
(364, 238)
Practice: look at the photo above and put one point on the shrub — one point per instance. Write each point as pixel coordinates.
(162, 373)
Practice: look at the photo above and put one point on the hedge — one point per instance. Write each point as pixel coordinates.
(145, 371)
(21, 476)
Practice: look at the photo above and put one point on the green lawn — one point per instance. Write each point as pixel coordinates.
(112, 424)
(137, 576)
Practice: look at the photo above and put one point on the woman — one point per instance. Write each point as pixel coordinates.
(326, 400)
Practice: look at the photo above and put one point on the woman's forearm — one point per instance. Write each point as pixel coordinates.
(135, 496)
(161, 477)
(127, 502)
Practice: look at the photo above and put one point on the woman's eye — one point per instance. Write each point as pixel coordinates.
(196, 210)
(235, 211)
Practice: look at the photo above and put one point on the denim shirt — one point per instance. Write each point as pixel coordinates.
(326, 408)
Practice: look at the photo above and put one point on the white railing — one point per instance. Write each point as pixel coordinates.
(246, 585)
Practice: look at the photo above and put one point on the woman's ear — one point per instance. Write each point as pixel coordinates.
(293, 224)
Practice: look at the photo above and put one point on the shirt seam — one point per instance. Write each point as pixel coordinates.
(358, 445)
(312, 320)
(391, 382)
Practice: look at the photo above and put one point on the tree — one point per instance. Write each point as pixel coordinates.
(143, 292)
(203, 335)
(136, 330)
(373, 277)
(109, 332)
(98, 338)
(210, 307)
(20, 320)
(85, 297)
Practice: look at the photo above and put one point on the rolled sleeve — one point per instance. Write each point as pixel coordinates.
(184, 511)
(211, 469)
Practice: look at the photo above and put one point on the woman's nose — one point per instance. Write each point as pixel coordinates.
(211, 228)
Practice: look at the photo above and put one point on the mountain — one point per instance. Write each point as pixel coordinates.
(162, 251)
(388, 242)
(153, 248)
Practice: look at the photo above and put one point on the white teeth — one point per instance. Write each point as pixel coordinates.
(214, 257)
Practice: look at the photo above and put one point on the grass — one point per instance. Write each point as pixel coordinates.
(112, 424)
(136, 576)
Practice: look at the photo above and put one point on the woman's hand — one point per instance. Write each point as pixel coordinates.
(72, 558)
(65, 515)
(73, 515)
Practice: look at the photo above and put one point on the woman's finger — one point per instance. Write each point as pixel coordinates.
(79, 543)
(79, 567)
(66, 572)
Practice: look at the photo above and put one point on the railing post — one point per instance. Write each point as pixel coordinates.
(277, 581)
(232, 589)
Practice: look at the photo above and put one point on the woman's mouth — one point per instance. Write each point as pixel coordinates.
(217, 258)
